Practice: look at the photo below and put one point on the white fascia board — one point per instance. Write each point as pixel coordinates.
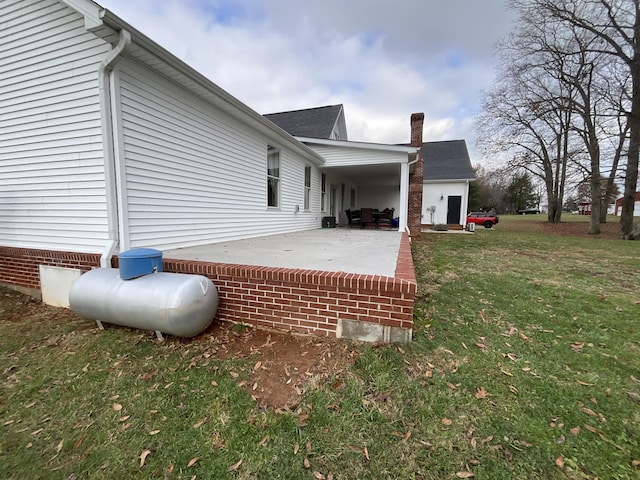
(89, 10)
(449, 180)
(383, 147)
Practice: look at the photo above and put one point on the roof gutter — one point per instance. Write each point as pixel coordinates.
(108, 127)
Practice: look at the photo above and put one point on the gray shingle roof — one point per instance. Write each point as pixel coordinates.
(311, 122)
(447, 160)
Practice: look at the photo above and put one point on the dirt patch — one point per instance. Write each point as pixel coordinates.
(284, 365)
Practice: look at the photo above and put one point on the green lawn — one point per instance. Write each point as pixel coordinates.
(525, 364)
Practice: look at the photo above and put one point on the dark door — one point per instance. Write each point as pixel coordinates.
(453, 209)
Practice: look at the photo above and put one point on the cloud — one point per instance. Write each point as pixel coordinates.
(383, 60)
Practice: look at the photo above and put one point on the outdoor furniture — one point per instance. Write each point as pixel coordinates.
(366, 217)
(353, 216)
(385, 218)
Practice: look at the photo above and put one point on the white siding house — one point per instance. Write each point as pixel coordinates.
(143, 152)
(52, 182)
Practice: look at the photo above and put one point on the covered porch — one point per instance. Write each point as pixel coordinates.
(365, 175)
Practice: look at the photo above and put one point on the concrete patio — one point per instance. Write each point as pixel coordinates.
(371, 252)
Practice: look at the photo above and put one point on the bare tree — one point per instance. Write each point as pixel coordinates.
(616, 24)
(529, 114)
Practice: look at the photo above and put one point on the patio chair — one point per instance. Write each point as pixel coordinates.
(366, 217)
(354, 217)
(386, 218)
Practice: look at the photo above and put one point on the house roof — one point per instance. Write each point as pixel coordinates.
(447, 160)
(316, 122)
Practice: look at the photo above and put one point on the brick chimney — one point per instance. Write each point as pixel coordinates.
(416, 179)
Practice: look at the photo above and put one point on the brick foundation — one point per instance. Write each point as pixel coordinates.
(306, 301)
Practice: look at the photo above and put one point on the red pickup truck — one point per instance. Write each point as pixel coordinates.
(483, 218)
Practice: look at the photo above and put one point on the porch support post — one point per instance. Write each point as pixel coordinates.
(404, 196)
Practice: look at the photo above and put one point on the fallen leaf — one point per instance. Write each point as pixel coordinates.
(451, 386)
(590, 428)
(306, 463)
(296, 448)
(214, 383)
(481, 393)
(446, 421)
(575, 430)
(117, 407)
(584, 384)
(634, 379)
(168, 471)
(257, 365)
(154, 432)
(464, 474)
(193, 461)
(264, 440)
(318, 475)
(79, 441)
(143, 457)
(124, 419)
(199, 423)
(635, 463)
(59, 447)
(588, 411)
(404, 439)
(235, 466)
(366, 451)
(383, 397)
(514, 390)
(560, 461)
(507, 373)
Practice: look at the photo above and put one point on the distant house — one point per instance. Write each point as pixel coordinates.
(447, 174)
(618, 206)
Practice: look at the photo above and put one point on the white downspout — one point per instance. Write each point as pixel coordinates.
(107, 120)
(404, 196)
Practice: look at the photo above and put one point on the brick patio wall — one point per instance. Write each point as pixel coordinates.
(19, 267)
(307, 301)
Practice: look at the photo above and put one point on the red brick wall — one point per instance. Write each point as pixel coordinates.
(20, 266)
(306, 301)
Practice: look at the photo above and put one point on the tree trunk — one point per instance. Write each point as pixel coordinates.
(631, 177)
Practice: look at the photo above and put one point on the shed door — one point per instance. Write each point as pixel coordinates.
(454, 203)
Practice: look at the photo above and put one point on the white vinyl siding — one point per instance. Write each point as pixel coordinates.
(194, 174)
(52, 190)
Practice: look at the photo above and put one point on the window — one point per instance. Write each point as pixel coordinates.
(323, 193)
(307, 188)
(273, 176)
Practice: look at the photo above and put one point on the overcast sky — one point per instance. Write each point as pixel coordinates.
(382, 59)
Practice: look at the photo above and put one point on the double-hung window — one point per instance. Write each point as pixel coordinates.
(307, 188)
(323, 193)
(273, 176)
